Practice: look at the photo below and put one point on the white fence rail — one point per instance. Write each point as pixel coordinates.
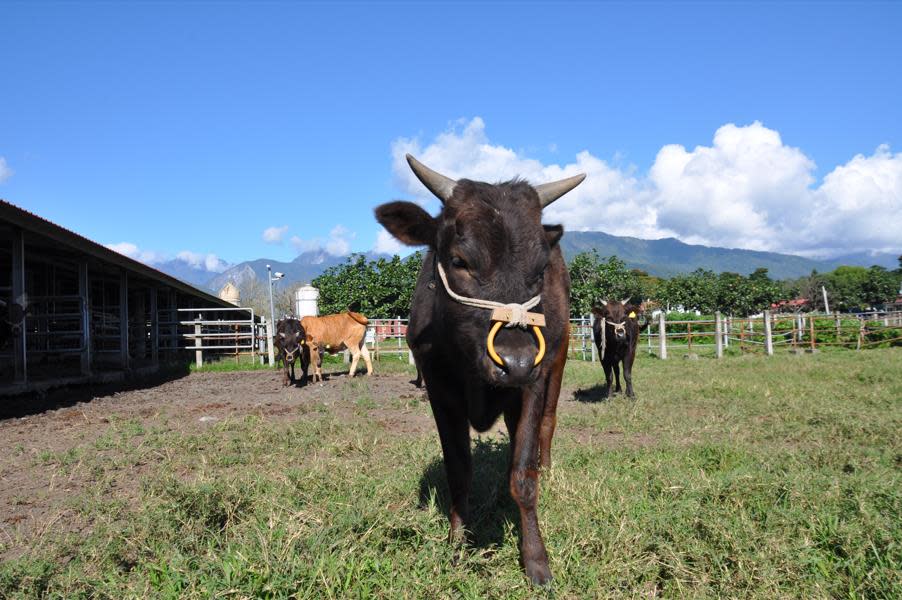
(763, 333)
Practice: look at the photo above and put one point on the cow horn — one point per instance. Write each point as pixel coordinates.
(624, 301)
(603, 302)
(437, 183)
(549, 192)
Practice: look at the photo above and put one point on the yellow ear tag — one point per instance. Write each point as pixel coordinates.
(632, 315)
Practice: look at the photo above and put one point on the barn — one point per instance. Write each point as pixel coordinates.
(96, 315)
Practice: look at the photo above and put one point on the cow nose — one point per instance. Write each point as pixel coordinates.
(517, 351)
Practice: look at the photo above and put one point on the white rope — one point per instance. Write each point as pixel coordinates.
(617, 327)
(518, 311)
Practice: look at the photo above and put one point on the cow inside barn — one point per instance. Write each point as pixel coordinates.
(12, 317)
(289, 343)
(489, 329)
(342, 331)
(616, 331)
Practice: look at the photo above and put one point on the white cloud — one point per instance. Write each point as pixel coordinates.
(387, 244)
(130, 250)
(5, 171)
(337, 244)
(208, 262)
(747, 189)
(274, 235)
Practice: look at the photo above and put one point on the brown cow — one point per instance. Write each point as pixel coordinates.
(334, 333)
(490, 261)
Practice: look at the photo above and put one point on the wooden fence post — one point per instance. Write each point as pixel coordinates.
(811, 330)
(727, 321)
(768, 338)
(718, 335)
(662, 336)
(198, 342)
(689, 337)
(860, 332)
(741, 335)
(838, 322)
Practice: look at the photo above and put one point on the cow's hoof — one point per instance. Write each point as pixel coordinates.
(539, 574)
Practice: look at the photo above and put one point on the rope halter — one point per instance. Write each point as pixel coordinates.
(618, 328)
(510, 315)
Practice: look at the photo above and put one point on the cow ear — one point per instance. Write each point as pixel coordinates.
(408, 222)
(553, 234)
(598, 311)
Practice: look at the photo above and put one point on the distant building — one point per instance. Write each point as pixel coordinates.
(797, 305)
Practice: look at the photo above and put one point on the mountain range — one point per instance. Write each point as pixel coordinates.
(664, 258)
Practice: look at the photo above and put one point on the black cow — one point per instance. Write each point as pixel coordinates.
(12, 317)
(488, 244)
(289, 343)
(616, 331)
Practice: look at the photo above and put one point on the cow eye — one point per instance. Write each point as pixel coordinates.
(458, 262)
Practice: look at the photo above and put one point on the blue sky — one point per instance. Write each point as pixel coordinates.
(197, 127)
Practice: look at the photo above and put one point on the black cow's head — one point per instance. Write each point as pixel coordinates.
(12, 317)
(491, 244)
(289, 335)
(621, 318)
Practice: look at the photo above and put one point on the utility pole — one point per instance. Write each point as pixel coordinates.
(272, 312)
(826, 306)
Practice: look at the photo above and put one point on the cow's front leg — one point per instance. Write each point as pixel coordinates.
(628, 374)
(616, 368)
(608, 380)
(284, 374)
(524, 486)
(454, 433)
(549, 413)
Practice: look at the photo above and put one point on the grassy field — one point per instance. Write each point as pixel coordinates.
(746, 477)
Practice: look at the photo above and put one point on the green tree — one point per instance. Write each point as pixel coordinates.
(693, 291)
(593, 280)
(379, 289)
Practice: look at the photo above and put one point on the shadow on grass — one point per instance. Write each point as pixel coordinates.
(596, 393)
(492, 510)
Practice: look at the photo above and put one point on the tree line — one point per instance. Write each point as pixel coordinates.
(382, 288)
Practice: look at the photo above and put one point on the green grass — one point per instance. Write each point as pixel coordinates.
(749, 477)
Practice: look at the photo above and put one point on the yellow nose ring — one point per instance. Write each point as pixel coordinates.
(490, 344)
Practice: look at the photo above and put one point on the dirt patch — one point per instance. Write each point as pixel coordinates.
(45, 457)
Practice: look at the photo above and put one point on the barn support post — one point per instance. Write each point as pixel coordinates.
(768, 337)
(175, 340)
(123, 319)
(662, 336)
(140, 322)
(718, 335)
(84, 288)
(198, 342)
(154, 328)
(20, 351)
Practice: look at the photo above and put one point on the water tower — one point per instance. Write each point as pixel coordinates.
(306, 301)
(230, 293)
